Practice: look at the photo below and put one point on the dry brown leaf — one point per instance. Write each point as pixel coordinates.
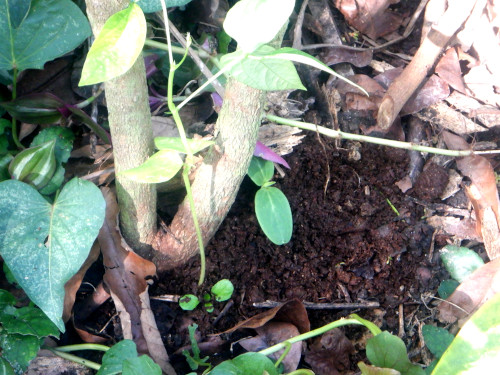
(370, 17)
(127, 276)
(472, 293)
(337, 55)
(292, 311)
(448, 68)
(271, 334)
(73, 284)
(329, 355)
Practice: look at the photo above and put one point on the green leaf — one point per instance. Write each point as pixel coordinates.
(117, 46)
(29, 321)
(222, 290)
(274, 214)
(460, 262)
(370, 325)
(255, 22)
(35, 165)
(260, 170)
(19, 350)
(49, 29)
(150, 6)
(295, 55)
(142, 365)
(389, 351)
(5, 367)
(160, 167)
(447, 287)
(374, 370)
(112, 360)
(44, 245)
(254, 363)
(6, 299)
(263, 74)
(39, 108)
(476, 348)
(64, 141)
(4, 167)
(436, 339)
(175, 144)
(55, 182)
(189, 302)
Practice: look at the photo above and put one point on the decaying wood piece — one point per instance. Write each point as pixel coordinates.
(127, 276)
(422, 63)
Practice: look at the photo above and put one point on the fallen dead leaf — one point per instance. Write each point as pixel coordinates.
(448, 68)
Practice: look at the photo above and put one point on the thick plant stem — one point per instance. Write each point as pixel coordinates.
(131, 132)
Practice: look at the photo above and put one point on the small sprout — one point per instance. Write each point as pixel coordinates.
(207, 297)
(209, 307)
(189, 302)
(222, 290)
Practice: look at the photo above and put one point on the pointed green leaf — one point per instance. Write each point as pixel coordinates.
(389, 351)
(175, 144)
(44, 245)
(39, 108)
(264, 74)
(49, 29)
(142, 365)
(64, 141)
(150, 6)
(112, 361)
(255, 22)
(117, 46)
(436, 339)
(476, 348)
(160, 167)
(274, 214)
(295, 55)
(460, 262)
(29, 321)
(260, 170)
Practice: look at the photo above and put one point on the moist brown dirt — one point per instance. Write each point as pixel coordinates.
(348, 244)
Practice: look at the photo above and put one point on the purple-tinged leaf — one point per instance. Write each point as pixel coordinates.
(149, 62)
(266, 153)
(87, 120)
(216, 98)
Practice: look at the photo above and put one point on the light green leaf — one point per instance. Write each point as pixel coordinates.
(112, 360)
(150, 6)
(295, 55)
(175, 144)
(19, 350)
(160, 167)
(374, 370)
(222, 290)
(274, 214)
(44, 245)
(142, 365)
(49, 29)
(476, 348)
(263, 74)
(117, 46)
(389, 351)
(255, 22)
(260, 170)
(460, 262)
(189, 302)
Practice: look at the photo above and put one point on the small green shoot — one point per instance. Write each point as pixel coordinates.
(195, 361)
(220, 292)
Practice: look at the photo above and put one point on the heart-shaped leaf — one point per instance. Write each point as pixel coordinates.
(117, 46)
(260, 170)
(32, 35)
(255, 22)
(160, 167)
(274, 214)
(45, 244)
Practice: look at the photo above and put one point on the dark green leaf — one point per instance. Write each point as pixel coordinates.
(19, 350)
(117, 46)
(142, 365)
(386, 350)
(112, 361)
(30, 321)
(44, 245)
(260, 170)
(28, 41)
(274, 214)
(460, 262)
(55, 182)
(6, 299)
(4, 167)
(91, 124)
(5, 367)
(64, 141)
(40, 108)
(447, 287)
(436, 339)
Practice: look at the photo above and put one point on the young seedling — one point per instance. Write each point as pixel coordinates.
(220, 292)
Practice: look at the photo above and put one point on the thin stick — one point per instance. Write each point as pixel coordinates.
(322, 306)
(379, 141)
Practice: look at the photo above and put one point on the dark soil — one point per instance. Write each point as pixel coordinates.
(348, 244)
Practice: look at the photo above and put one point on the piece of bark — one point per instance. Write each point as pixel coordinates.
(422, 63)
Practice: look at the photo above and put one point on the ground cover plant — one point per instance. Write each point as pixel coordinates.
(49, 222)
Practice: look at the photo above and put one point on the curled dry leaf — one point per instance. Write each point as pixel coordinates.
(448, 68)
(127, 276)
(371, 17)
(329, 354)
(472, 293)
